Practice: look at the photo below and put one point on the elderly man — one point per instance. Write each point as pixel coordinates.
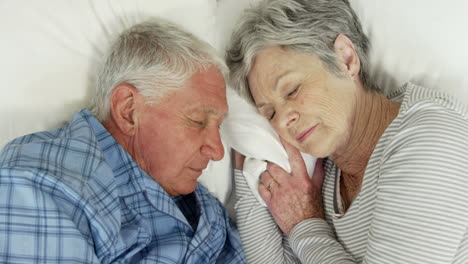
(119, 182)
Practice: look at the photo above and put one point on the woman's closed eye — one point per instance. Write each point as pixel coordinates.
(294, 91)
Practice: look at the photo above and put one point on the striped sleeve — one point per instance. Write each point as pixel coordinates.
(420, 214)
(262, 239)
(314, 242)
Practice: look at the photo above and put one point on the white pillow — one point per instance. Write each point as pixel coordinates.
(422, 41)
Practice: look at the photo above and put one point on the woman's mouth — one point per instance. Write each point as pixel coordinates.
(301, 137)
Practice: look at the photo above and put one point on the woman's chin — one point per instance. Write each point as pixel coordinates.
(319, 150)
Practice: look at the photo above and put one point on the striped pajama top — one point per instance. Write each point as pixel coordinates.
(412, 206)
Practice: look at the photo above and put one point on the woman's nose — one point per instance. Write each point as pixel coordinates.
(287, 117)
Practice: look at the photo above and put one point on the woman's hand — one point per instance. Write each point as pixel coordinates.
(292, 197)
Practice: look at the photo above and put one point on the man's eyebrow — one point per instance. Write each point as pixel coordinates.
(214, 112)
(275, 86)
(208, 112)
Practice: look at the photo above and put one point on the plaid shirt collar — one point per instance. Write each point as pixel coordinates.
(130, 178)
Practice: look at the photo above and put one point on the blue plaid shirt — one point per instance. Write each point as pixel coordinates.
(74, 195)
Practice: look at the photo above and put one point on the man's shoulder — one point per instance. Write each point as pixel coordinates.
(69, 155)
(64, 167)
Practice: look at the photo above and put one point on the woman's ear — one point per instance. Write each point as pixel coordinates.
(123, 108)
(347, 57)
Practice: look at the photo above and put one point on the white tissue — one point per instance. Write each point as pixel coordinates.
(250, 134)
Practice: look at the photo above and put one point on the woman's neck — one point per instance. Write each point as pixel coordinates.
(373, 114)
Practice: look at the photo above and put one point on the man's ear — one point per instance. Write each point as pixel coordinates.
(123, 104)
(347, 56)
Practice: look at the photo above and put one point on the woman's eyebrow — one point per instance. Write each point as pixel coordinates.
(278, 81)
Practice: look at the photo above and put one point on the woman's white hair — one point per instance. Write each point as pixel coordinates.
(156, 57)
(305, 26)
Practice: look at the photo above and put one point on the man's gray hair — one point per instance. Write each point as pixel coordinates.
(156, 57)
(305, 26)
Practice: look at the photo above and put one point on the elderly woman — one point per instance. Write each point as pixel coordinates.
(394, 186)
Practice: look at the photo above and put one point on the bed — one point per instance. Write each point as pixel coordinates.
(49, 52)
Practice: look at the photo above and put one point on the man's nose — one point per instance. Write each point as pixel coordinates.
(213, 147)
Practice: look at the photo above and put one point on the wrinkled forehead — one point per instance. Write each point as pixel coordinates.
(269, 63)
(205, 91)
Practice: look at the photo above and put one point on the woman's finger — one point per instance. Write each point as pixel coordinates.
(265, 178)
(277, 173)
(295, 159)
(265, 194)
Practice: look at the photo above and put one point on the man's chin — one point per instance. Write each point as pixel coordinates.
(186, 189)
